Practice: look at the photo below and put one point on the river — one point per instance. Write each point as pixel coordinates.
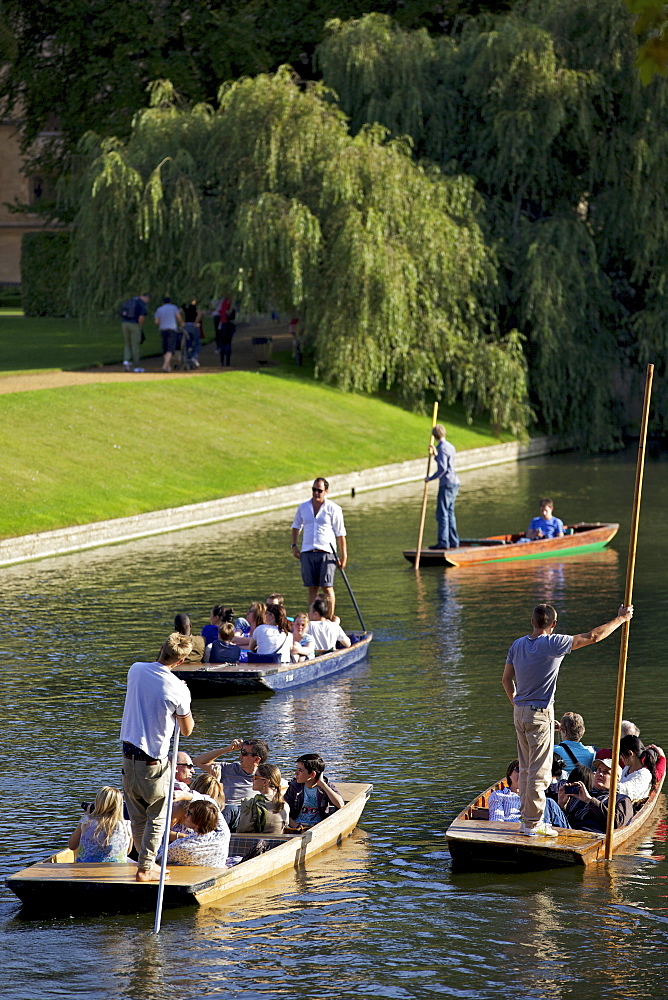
(425, 719)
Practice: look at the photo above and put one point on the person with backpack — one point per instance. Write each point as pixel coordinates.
(132, 314)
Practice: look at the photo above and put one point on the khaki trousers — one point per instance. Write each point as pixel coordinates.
(535, 741)
(145, 791)
(132, 343)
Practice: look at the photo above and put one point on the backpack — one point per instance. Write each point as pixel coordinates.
(127, 311)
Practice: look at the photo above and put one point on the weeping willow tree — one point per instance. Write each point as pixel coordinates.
(269, 197)
(544, 111)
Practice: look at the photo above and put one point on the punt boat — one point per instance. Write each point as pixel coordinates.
(214, 680)
(587, 536)
(476, 842)
(60, 885)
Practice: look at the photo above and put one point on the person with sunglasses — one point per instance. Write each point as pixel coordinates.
(236, 777)
(321, 521)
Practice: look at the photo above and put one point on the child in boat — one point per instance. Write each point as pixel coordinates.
(325, 632)
(245, 627)
(205, 843)
(266, 811)
(103, 834)
(303, 643)
(222, 649)
(545, 526)
(505, 805)
(310, 795)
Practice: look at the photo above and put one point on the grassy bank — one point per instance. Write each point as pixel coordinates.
(86, 453)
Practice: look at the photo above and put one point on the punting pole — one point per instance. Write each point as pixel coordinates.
(350, 589)
(628, 599)
(165, 842)
(425, 494)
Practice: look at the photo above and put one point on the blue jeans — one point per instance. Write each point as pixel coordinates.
(554, 814)
(445, 517)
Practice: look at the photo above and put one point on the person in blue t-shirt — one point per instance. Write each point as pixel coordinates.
(545, 526)
(530, 681)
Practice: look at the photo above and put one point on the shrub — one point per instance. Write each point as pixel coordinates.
(45, 274)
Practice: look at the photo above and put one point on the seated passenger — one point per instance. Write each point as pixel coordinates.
(237, 777)
(639, 774)
(205, 786)
(219, 614)
(183, 627)
(103, 834)
(303, 644)
(205, 843)
(275, 599)
(545, 526)
(274, 637)
(588, 810)
(325, 632)
(505, 805)
(310, 795)
(184, 772)
(254, 617)
(266, 811)
(222, 649)
(574, 752)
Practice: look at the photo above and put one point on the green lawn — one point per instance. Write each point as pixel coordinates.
(31, 344)
(86, 453)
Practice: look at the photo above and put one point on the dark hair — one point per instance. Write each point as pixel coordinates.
(166, 299)
(226, 631)
(546, 502)
(321, 479)
(275, 599)
(544, 615)
(204, 815)
(277, 611)
(259, 748)
(557, 765)
(649, 757)
(222, 613)
(514, 764)
(584, 774)
(181, 623)
(312, 762)
(321, 607)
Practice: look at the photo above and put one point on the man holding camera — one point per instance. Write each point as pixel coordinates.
(530, 681)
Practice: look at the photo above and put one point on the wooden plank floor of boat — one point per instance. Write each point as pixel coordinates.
(185, 875)
(485, 830)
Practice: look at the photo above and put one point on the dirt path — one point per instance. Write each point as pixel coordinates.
(243, 359)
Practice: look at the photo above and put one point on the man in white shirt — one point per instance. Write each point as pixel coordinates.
(169, 321)
(154, 701)
(322, 522)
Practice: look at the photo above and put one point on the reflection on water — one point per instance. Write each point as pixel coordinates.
(425, 719)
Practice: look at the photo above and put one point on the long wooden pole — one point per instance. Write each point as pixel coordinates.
(628, 599)
(165, 843)
(425, 494)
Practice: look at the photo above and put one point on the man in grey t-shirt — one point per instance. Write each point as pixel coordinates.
(530, 680)
(236, 778)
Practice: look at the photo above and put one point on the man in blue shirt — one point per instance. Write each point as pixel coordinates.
(530, 681)
(448, 487)
(545, 526)
(131, 325)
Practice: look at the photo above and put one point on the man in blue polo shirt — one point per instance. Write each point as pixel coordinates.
(133, 315)
(530, 680)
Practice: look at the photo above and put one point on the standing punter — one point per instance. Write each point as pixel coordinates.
(322, 521)
(153, 701)
(448, 487)
(530, 680)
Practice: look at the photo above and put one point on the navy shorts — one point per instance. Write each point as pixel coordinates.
(318, 568)
(168, 341)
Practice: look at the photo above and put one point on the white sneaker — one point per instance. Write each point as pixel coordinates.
(127, 365)
(139, 369)
(542, 830)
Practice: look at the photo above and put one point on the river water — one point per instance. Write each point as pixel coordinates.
(425, 719)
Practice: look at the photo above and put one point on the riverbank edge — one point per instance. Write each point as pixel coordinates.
(61, 541)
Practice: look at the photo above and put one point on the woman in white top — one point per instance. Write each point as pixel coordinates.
(274, 636)
(303, 644)
(639, 774)
(325, 632)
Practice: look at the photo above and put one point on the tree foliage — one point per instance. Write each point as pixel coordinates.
(543, 110)
(270, 198)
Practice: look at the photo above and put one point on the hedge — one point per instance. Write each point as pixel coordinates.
(45, 274)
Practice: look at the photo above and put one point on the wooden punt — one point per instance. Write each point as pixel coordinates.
(214, 680)
(476, 842)
(587, 536)
(60, 885)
